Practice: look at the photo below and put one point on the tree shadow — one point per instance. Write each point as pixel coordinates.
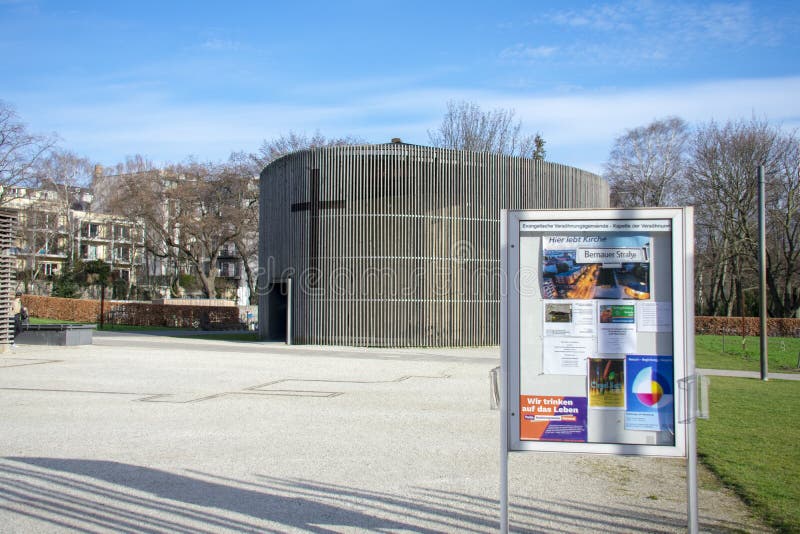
(87, 495)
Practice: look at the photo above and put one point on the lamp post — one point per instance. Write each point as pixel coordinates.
(762, 269)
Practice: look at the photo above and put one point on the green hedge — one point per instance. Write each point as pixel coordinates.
(129, 313)
(749, 326)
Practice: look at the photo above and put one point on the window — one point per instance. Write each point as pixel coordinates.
(90, 230)
(89, 252)
(122, 254)
(122, 232)
(228, 269)
(49, 269)
(47, 245)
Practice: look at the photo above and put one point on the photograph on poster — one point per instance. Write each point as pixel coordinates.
(565, 318)
(617, 329)
(596, 267)
(552, 418)
(558, 313)
(606, 383)
(649, 393)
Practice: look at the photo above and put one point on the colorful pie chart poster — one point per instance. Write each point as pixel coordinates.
(552, 418)
(649, 393)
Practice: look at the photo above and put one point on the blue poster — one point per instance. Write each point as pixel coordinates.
(649, 393)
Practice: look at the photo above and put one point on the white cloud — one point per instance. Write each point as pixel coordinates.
(521, 52)
(639, 32)
(603, 18)
(219, 45)
(593, 115)
(579, 127)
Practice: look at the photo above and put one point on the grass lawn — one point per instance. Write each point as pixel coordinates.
(725, 352)
(229, 336)
(223, 336)
(115, 327)
(134, 328)
(751, 441)
(43, 320)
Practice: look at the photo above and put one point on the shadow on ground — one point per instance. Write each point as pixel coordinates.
(92, 495)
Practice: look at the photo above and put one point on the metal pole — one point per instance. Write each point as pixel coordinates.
(289, 311)
(691, 457)
(691, 383)
(102, 303)
(762, 269)
(504, 389)
(503, 452)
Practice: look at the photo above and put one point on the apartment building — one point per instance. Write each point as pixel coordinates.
(57, 224)
(161, 264)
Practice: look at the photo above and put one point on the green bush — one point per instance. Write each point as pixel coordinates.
(66, 284)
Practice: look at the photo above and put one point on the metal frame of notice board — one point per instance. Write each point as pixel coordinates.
(597, 335)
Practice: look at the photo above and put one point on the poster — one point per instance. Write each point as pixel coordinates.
(569, 318)
(566, 355)
(606, 383)
(587, 291)
(649, 397)
(654, 316)
(552, 418)
(617, 329)
(596, 267)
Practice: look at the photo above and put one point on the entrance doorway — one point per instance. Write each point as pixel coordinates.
(278, 311)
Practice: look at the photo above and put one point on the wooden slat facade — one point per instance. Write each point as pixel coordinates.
(398, 245)
(8, 279)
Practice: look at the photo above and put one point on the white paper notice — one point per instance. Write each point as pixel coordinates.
(569, 318)
(617, 331)
(617, 339)
(654, 316)
(566, 355)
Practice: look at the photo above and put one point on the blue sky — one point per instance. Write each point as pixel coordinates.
(169, 79)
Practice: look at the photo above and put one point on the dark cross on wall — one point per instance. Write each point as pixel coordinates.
(315, 205)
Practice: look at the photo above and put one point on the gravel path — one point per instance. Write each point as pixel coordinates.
(141, 433)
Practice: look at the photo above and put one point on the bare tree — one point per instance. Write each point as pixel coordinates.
(647, 165)
(272, 149)
(783, 236)
(466, 127)
(20, 151)
(66, 175)
(723, 186)
(118, 190)
(39, 229)
(190, 212)
(242, 174)
(138, 193)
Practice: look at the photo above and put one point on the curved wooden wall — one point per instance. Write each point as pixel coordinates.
(8, 283)
(398, 245)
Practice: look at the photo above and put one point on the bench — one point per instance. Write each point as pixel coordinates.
(214, 326)
(55, 334)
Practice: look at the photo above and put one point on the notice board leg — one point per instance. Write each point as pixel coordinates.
(691, 459)
(504, 491)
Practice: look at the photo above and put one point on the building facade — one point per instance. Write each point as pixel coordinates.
(396, 244)
(57, 225)
(164, 265)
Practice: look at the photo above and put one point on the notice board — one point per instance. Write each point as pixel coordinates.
(596, 335)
